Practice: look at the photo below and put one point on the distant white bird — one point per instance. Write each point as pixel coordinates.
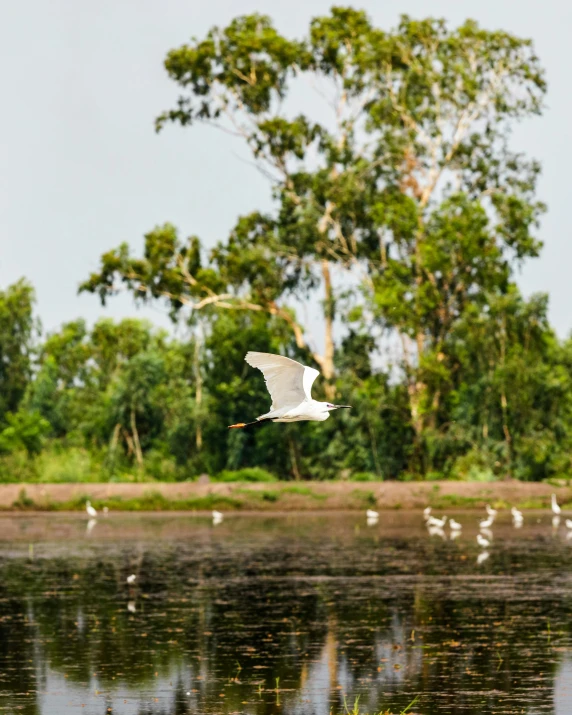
(131, 607)
(90, 510)
(482, 557)
(433, 521)
(105, 511)
(517, 517)
(568, 523)
(454, 525)
(371, 514)
(555, 508)
(217, 517)
(290, 385)
(486, 523)
(482, 542)
(427, 512)
(490, 511)
(131, 579)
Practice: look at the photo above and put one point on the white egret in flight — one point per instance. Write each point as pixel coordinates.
(290, 385)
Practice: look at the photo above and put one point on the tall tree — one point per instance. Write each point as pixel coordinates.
(402, 208)
(17, 328)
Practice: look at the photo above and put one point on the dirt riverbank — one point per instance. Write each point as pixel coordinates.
(284, 496)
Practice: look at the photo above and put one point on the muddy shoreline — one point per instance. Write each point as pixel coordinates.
(281, 496)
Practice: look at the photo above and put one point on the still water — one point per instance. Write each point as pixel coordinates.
(282, 613)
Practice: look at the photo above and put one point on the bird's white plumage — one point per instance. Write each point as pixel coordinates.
(289, 383)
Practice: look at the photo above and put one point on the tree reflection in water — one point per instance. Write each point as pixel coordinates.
(216, 617)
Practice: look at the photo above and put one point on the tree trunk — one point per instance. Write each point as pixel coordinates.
(198, 395)
(294, 459)
(327, 364)
(136, 443)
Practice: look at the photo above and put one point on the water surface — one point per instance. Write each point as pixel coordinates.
(282, 613)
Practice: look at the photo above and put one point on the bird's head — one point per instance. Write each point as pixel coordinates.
(331, 407)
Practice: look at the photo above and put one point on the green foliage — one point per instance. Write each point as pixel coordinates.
(254, 474)
(364, 477)
(16, 333)
(401, 218)
(25, 430)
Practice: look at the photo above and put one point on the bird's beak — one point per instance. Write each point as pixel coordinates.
(345, 407)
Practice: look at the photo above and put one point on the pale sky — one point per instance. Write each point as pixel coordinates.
(81, 168)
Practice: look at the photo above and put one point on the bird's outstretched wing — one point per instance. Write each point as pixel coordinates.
(288, 382)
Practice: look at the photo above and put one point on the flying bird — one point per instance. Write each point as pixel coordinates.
(290, 386)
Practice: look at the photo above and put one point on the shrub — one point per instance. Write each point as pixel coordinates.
(249, 474)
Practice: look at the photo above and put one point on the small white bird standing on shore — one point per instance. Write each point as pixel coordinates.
(490, 511)
(131, 579)
(91, 512)
(371, 514)
(427, 512)
(454, 525)
(555, 508)
(290, 386)
(486, 523)
(217, 517)
(433, 521)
